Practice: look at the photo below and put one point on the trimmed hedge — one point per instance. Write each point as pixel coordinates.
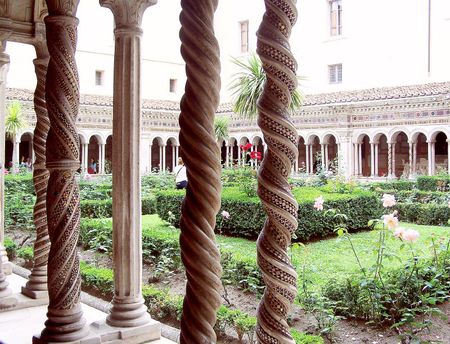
(161, 247)
(424, 214)
(19, 183)
(96, 209)
(434, 183)
(397, 185)
(247, 216)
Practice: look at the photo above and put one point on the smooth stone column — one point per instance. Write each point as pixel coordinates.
(4, 65)
(322, 152)
(372, 160)
(128, 309)
(307, 158)
(411, 144)
(163, 150)
(448, 156)
(102, 155)
(430, 159)
(327, 160)
(376, 170)
(150, 157)
(7, 301)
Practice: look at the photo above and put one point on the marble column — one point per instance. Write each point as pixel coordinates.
(86, 156)
(278, 202)
(200, 51)
(448, 156)
(177, 154)
(322, 153)
(150, 153)
(311, 158)
(394, 164)
(372, 160)
(360, 160)
(65, 321)
(36, 287)
(4, 65)
(128, 309)
(355, 159)
(414, 167)
(411, 144)
(389, 160)
(102, 157)
(7, 301)
(239, 156)
(174, 162)
(227, 155)
(163, 150)
(16, 155)
(327, 160)
(307, 158)
(433, 157)
(376, 169)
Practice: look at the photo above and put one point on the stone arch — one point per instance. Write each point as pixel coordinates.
(400, 153)
(108, 154)
(156, 154)
(25, 149)
(330, 142)
(301, 155)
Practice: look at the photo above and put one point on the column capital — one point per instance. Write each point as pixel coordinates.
(127, 13)
(62, 7)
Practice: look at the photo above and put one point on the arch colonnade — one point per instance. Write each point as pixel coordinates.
(51, 26)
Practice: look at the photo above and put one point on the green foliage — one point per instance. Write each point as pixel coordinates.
(19, 183)
(11, 248)
(247, 86)
(247, 216)
(434, 183)
(19, 210)
(160, 181)
(397, 185)
(303, 338)
(164, 306)
(221, 127)
(27, 254)
(424, 214)
(15, 120)
(96, 209)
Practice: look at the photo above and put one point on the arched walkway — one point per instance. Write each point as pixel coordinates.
(301, 162)
(156, 155)
(400, 155)
(108, 154)
(329, 150)
(93, 155)
(171, 154)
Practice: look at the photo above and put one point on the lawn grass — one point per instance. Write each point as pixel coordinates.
(323, 260)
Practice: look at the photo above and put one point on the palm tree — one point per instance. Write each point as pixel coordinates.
(221, 128)
(247, 85)
(14, 122)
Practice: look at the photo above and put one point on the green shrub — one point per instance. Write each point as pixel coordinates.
(397, 185)
(19, 210)
(424, 214)
(422, 196)
(247, 216)
(434, 183)
(27, 254)
(158, 181)
(96, 209)
(303, 338)
(19, 183)
(11, 248)
(164, 306)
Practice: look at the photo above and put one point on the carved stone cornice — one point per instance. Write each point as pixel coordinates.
(127, 13)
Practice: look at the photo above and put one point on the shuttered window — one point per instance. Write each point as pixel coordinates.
(335, 73)
(335, 17)
(244, 36)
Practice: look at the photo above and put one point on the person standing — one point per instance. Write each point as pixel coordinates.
(180, 175)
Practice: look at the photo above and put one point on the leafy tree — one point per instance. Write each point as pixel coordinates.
(247, 86)
(221, 128)
(15, 120)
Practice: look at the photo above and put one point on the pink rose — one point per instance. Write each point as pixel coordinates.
(399, 233)
(388, 200)
(410, 235)
(225, 214)
(318, 204)
(390, 221)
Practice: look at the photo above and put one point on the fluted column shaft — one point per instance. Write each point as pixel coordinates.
(65, 322)
(37, 281)
(273, 188)
(4, 64)
(128, 309)
(201, 153)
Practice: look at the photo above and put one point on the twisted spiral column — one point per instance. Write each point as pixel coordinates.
(273, 188)
(37, 281)
(65, 322)
(201, 154)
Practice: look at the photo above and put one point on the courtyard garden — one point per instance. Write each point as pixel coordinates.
(372, 260)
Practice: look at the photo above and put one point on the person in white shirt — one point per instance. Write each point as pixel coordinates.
(180, 175)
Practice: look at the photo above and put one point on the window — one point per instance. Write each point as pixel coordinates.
(335, 73)
(99, 77)
(244, 36)
(335, 17)
(173, 86)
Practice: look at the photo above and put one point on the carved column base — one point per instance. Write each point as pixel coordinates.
(128, 314)
(36, 287)
(7, 301)
(100, 332)
(63, 326)
(7, 267)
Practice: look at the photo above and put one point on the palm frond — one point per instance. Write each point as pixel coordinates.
(15, 121)
(221, 128)
(247, 86)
